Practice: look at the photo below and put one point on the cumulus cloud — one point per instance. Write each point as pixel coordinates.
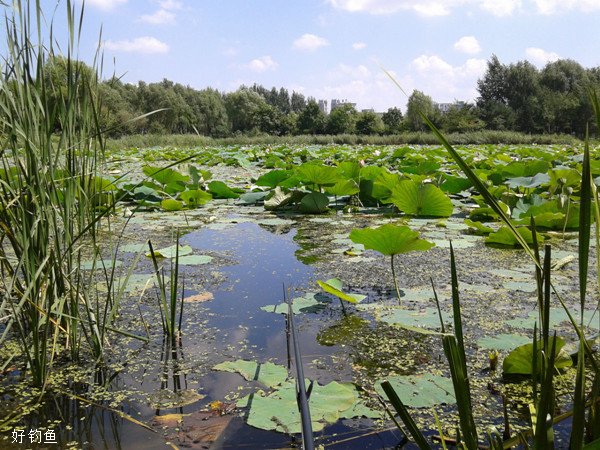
(540, 56)
(359, 45)
(501, 8)
(555, 6)
(105, 4)
(309, 42)
(434, 7)
(262, 64)
(143, 44)
(170, 4)
(160, 17)
(468, 45)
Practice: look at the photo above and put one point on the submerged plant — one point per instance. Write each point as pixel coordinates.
(390, 240)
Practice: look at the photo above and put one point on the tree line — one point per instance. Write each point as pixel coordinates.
(514, 97)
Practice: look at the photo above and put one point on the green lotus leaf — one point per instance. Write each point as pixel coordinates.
(280, 198)
(194, 260)
(273, 178)
(524, 168)
(317, 174)
(171, 252)
(347, 187)
(478, 228)
(537, 180)
(505, 237)
(349, 170)
(421, 199)
(164, 175)
(195, 197)
(314, 203)
(390, 239)
(421, 391)
(268, 374)
(307, 304)
(454, 185)
(503, 341)
(520, 360)
(220, 190)
(334, 286)
(170, 204)
(252, 198)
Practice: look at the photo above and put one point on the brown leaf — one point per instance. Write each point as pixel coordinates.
(199, 298)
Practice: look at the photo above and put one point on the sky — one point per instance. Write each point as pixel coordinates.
(333, 48)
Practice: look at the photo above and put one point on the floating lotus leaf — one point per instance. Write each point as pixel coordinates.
(503, 341)
(170, 252)
(306, 304)
(165, 398)
(268, 374)
(334, 286)
(478, 228)
(520, 360)
(134, 248)
(314, 203)
(220, 190)
(194, 260)
(251, 198)
(557, 316)
(524, 168)
(421, 199)
(100, 264)
(279, 410)
(390, 239)
(454, 185)
(135, 283)
(421, 391)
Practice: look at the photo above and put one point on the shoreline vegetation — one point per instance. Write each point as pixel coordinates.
(409, 138)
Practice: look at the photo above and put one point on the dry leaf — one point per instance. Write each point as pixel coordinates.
(199, 298)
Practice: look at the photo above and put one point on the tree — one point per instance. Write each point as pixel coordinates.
(419, 103)
(523, 97)
(492, 102)
(393, 120)
(342, 120)
(369, 123)
(243, 109)
(311, 119)
(298, 102)
(210, 115)
(461, 119)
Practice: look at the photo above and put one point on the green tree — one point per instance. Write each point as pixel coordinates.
(244, 108)
(369, 123)
(311, 119)
(492, 102)
(461, 119)
(393, 120)
(342, 120)
(419, 103)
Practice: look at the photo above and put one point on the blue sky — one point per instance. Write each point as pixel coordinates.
(334, 48)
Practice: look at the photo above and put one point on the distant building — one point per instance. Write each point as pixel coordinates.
(335, 103)
(367, 110)
(445, 107)
(323, 106)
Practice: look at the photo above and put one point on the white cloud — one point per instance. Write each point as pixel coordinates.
(160, 17)
(554, 6)
(262, 64)
(445, 82)
(359, 45)
(501, 8)
(539, 56)
(105, 4)
(468, 45)
(170, 4)
(144, 44)
(309, 42)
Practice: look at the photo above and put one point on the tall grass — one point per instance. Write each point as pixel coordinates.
(50, 190)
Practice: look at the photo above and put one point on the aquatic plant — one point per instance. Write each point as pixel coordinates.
(390, 240)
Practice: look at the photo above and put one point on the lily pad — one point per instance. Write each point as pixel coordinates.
(170, 204)
(505, 237)
(306, 304)
(100, 264)
(421, 391)
(134, 248)
(268, 374)
(195, 197)
(194, 260)
(503, 341)
(220, 190)
(166, 398)
(314, 203)
(170, 252)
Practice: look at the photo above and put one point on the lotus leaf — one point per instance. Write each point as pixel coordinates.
(170, 252)
(349, 170)
(421, 199)
(334, 286)
(220, 190)
(317, 174)
(503, 341)
(390, 239)
(194, 260)
(164, 175)
(519, 361)
(268, 374)
(251, 198)
(170, 204)
(100, 264)
(314, 203)
(454, 185)
(307, 304)
(478, 228)
(195, 197)
(537, 180)
(279, 198)
(505, 237)
(273, 178)
(344, 187)
(421, 391)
